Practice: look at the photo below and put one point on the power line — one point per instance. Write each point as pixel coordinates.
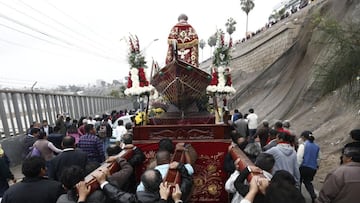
(78, 22)
(27, 47)
(57, 29)
(36, 37)
(56, 21)
(26, 82)
(59, 39)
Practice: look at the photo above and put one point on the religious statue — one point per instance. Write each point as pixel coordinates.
(183, 36)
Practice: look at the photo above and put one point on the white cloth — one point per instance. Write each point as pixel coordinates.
(245, 201)
(230, 187)
(300, 153)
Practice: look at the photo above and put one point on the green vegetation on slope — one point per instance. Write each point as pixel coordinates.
(341, 68)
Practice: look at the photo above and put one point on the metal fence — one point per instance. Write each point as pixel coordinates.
(19, 109)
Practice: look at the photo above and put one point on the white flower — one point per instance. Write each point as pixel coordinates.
(136, 89)
(221, 87)
(155, 95)
(211, 88)
(220, 69)
(134, 71)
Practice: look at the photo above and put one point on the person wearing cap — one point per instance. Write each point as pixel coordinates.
(342, 185)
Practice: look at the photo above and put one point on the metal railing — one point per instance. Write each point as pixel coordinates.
(19, 109)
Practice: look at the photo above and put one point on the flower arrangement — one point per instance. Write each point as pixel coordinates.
(221, 78)
(138, 84)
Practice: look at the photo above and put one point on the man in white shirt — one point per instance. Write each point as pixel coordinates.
(118, 132)
(163, 164)
(252, 123)
(91, 121)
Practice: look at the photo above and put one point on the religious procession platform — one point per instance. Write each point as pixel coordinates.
(209, 177)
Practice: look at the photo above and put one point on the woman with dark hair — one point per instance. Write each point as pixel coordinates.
(308, 158)
(281, 189)
(73, 132)
(46, 148)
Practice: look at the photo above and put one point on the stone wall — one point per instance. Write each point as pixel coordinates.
(261, 53)
(264, 48)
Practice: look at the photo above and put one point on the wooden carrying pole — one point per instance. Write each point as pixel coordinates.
(173, 176)
(236, 153)
(113, 167)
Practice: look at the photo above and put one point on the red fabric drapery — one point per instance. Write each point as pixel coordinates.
(209, 176)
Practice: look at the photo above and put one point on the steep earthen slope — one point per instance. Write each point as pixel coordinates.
(287, 89)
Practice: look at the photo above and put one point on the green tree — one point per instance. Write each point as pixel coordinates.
(340, 68)
(247, 6)
(230, 26)
(202, 44)
(274, 16)
(122, 91)
(281, 12)
(116, 82)
(115, 93)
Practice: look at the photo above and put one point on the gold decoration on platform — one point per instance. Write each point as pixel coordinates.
(213, 189)
(208, 183)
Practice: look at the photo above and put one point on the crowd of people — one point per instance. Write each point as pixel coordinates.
(73, 150)
(276, 152)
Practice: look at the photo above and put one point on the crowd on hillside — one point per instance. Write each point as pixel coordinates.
(272, 21)
(58, 162)
(286, 161)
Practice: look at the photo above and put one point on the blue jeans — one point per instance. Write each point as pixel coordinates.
(106, 143)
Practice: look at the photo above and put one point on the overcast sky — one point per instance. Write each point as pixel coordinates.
(65, 42)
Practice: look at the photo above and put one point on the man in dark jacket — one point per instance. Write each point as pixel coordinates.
(70, 156)
(342, 184)
(46, 128)
(155, 190)
(29, 140)
(135, 161)
(34, 187)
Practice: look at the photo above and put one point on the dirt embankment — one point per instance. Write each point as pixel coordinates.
(287, 90)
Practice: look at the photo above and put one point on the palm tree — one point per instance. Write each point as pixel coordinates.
(281, 13)
(230, 26)
(202, 44)
(212, 42)
(247, 6)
